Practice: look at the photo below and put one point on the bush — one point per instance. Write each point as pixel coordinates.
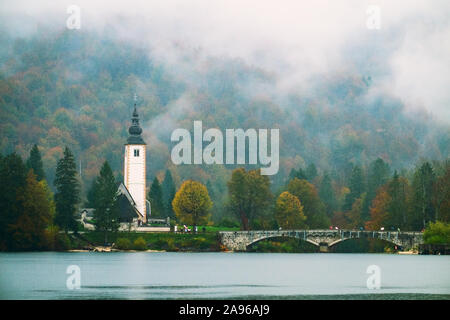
(140, 244)
(123, 244)
(437, 233)
(62, 242)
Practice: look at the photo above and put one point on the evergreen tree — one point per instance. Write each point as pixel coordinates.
(299, 174)
(423, 210)
(378, 176)
(67, 194)
(13, 179)
(168, 193)
(326, 194)
(35, 162)
(441, 196)
(106, 211)
(156, 199)
(311, 172)
(356, 187)
(398, 189)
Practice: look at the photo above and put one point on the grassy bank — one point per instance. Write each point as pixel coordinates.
(170, 241)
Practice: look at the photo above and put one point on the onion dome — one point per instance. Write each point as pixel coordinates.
(135, 130)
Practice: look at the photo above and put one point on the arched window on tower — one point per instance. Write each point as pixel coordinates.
(136, 152)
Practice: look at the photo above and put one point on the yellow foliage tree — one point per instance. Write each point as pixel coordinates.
(192, 204)
(289, 212)
(29, 232)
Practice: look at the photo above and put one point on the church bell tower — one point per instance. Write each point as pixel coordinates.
(134, 165)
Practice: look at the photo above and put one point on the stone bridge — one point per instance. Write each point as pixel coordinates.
(324, 239)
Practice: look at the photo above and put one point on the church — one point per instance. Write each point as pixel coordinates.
(132, 191)
(135, 209)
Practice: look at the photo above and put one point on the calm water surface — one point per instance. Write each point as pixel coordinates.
(222, 275)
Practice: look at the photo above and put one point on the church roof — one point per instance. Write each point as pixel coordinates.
(127, 204)
(135, 130)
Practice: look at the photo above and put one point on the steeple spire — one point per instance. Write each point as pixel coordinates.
(135, 129)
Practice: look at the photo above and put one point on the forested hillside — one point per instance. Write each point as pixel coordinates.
(76, 89)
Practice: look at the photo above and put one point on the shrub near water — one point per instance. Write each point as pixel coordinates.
(123, 244)
(140, 244)
(437, 233)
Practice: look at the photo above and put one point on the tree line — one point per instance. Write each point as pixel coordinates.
(34, 218)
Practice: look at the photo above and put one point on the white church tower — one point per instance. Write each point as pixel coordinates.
(134, 165)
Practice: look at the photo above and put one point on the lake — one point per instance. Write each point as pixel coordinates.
(164, 275)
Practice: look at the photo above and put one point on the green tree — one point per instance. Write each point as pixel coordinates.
(168, 193)
(378, 176)
(192, 204)
(399, 191)
(356, 186)
(29, 231)
(67, 194)
(326, 194)
(311, 172)
(156, 199)
(13, 180)
(289, 212)
(422, 205)
(249, 197)
(313, 208)
(35, 162)
(106, 211)
(441, 196)
(437, 233)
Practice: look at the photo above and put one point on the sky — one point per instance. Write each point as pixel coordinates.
(408, 56)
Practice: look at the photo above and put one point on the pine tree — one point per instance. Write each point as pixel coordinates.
(12, 180)
(156, 199)
(311, 172)
(35, 162)
(168, 193)
(106, 211)
(356, 187)
(423, 210)
(67, 194)
(326, 194)
(378, 176)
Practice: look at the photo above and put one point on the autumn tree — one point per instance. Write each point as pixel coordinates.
(289, 212)
(379, 210)
(378, 176)
(156, 199)
(67, 194)
(29, 231)
(249, 197)
(106, 211)
(192, 204)
(313, 208)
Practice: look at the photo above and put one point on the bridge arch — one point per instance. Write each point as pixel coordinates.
(392, 242)
(270, 236)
